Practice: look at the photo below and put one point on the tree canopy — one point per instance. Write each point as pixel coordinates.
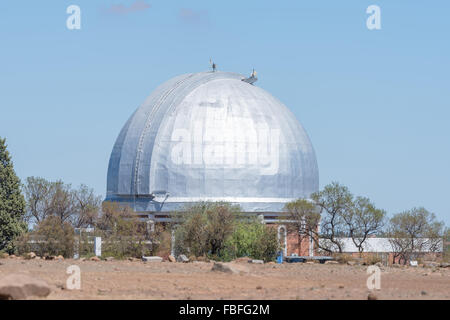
(12, 202)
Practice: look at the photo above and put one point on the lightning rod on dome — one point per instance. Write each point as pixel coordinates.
(213, 65)
(252, 79)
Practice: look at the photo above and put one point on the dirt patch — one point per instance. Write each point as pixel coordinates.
(166, 280)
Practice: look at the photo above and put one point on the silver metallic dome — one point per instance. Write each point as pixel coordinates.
(211, 136)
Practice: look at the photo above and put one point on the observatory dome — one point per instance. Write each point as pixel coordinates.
(210, 136)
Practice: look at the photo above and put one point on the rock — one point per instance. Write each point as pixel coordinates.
(19, 287)
(152, 259)
(331, 262)
(30, 255)
(202, 259)
(50, 258)
(256, 261)
(372, 296)
(423, 293)
(60, 257)
(110, 259)
(12, 256)
(94, 258)
(182, 258)
(171, 258)
(444, 265)
(133, 259)
(192, 258)
(351, 263)
(225, 268)
(379, 264)
(231, 268)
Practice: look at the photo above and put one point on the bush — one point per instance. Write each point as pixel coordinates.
(123, 234)
(342, 258)
(51, 237)
(370, 259)
(252, 239)
(203, 229)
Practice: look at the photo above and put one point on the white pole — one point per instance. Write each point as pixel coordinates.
(98, 246)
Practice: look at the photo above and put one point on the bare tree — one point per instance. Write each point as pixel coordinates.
(62, 204)
(86, 207)
(363, 220)
(38, 196)
(79, 207)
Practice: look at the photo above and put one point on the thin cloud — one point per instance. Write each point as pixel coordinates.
(121, 9)
(190, 16)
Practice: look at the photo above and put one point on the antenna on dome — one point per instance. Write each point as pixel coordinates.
(213, 65)
(252, 79)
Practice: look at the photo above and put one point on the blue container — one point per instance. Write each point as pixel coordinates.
(280, 257)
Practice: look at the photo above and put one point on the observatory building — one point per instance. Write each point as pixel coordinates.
(211, 136)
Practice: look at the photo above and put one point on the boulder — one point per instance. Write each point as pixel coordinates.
(182, 258)
(20, 286)
(444, 265)
(225, 268)
(109, 259)
(171, 258)
(94, 258)
(60, 257)
(351, 263)
(30, 255)
(152, 259)
(331, 262)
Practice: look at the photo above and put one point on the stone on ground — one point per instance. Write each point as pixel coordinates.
(230, 268)
(256, 261)
(20, 286)
(182, 258)
(152, 259)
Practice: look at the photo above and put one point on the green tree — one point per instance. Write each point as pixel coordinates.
(305, 218)
(363, 221)
(12, 202)
(334, 201)
(414, 231)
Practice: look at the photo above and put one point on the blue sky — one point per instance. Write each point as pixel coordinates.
(376, 104)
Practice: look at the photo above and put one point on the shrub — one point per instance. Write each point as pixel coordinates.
(252, 239)
(123, 234)
(51, 237)
(204, 228)
(370, 259)
(343, 257)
